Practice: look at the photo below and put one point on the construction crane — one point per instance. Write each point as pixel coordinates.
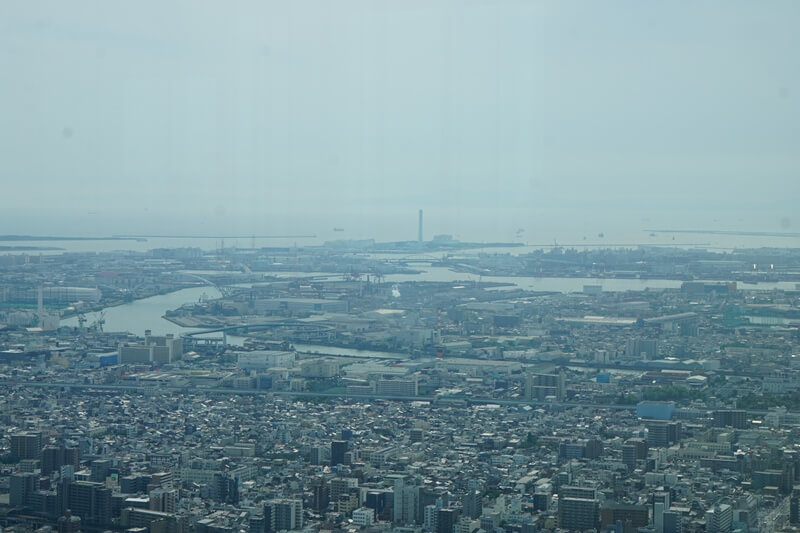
(99, 321)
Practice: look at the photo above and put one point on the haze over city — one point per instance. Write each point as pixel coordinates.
(417, 266)
(276, 117)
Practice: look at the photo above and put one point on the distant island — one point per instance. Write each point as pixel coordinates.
(439, 243)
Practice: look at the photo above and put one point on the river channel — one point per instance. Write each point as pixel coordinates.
(137, 316)
(147, 313)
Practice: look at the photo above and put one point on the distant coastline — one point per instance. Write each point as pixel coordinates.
(29, 248)
(31, 238)
(726, 232)
(138, 237)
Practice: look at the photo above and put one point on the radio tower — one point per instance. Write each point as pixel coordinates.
(419, 231)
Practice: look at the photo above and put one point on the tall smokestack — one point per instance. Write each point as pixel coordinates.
(40, 302)
(419, 234)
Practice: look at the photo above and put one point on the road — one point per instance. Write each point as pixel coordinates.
(775, 519)
(147, 388)
(144, 388)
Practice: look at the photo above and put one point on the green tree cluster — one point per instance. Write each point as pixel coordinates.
(762, 402)
(671, 392)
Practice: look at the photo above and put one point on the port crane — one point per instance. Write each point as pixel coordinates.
(99, 321)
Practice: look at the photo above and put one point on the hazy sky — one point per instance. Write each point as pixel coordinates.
(223, 111)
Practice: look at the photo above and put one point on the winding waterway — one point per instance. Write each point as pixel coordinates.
(137, 316)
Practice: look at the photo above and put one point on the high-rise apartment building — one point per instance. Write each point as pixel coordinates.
(661, 433)
(642, 349)
(794, 507)
(540, 386)
(283, 514)
(54, 457)
(473, 503)
(735, 418)
(20, 487)
(446, 519)
(719, 519)
(27, 445)
(406, 499)
(578, 514)
(88, 500)
(338, 449)
(633, 450)
(672, 522)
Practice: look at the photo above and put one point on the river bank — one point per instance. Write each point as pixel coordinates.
(70, 312)
(147, 313)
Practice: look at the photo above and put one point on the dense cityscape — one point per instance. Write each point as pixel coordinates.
(369, 266)
(351, 387)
